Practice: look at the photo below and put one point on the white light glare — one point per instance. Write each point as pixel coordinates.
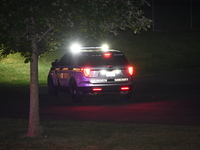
(103, 72)
(104, 47)
(117, 71)
(75, 48)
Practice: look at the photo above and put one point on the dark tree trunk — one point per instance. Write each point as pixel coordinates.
(34, 119)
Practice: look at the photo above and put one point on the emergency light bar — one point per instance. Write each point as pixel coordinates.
(88, 48)
(77, 48)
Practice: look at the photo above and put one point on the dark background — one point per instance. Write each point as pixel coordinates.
(173, 14)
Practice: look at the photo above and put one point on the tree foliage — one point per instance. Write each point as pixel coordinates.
(36, 26)
(51, 22)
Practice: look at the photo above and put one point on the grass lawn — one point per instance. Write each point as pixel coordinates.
(66, 134)
(148, 53)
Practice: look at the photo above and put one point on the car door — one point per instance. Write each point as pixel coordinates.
(65, 69)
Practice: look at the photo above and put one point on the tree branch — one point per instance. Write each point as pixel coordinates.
(45, 33)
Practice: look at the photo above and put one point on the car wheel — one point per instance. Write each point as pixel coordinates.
(125, 97)
(51, 89)
(75, 95)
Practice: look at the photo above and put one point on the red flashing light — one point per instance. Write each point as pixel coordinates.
(107, 55)
(86, 71)
(130, 70)
(125, 88)
(96, 89)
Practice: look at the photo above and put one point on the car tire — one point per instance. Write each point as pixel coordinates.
(51, 89)
(75, 95)
(125, 97)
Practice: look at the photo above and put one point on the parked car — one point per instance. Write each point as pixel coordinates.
(91, 71)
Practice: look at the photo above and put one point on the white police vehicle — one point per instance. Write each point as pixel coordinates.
(91, 71)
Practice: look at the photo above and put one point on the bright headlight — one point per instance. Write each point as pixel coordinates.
(104, 47)
(75, 48)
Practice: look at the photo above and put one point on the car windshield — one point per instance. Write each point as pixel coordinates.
(101, 60)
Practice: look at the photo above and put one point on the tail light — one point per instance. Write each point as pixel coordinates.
(86, 71)
(107, 55)
(130, 70)
(125, 88)
(96, 89)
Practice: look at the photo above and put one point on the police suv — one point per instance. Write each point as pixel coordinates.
(91, 71)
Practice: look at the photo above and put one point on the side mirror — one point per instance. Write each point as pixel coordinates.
(55, 63)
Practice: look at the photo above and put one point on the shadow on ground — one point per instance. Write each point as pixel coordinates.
(170, 98)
